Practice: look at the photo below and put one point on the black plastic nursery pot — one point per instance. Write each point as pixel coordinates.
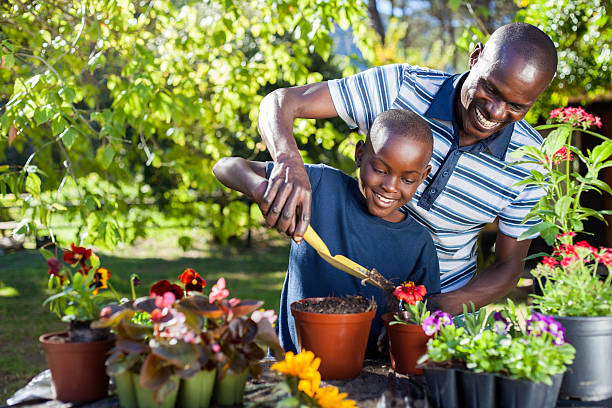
(589, 378)
(450, 387)
(442, 385)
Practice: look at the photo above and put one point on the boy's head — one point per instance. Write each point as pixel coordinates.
(393, 161)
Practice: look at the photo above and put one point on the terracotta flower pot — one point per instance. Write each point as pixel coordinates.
(407, 343)
(339, 340)
(77, 369)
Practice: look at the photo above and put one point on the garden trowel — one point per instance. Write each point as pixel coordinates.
(339, 261)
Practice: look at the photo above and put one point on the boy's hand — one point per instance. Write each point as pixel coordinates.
(286, 201)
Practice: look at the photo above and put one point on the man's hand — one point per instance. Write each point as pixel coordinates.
(490, 284)
(286, 201)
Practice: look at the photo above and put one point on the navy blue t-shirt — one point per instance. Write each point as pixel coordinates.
(399, 251)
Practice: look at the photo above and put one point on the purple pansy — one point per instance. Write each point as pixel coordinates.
(538, 324)
(433, 323)
(501, 323)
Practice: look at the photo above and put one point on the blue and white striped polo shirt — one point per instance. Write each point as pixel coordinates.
(468, 187)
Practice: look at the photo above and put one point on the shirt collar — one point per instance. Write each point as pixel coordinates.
(442, 108)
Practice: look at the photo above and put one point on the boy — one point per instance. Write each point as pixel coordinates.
(358, 219)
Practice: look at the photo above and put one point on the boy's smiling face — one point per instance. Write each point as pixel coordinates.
(391, 169)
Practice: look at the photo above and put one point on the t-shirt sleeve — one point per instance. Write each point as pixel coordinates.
(359, 98)
(511, 217)
(314, 171)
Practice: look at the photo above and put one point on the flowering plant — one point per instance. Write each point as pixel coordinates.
(178, 332)
(302, 382)
(76, 284)
(556, 172)
(499, 344)
(413, 310)
(569, 280)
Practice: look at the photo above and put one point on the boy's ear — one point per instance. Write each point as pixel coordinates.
(426, 172)
(359, 150)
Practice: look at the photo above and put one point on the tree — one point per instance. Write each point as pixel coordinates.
(115, 111)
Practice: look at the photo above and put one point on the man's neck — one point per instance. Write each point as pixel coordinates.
(464, 138)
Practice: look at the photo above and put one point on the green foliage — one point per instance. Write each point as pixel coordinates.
(581, 31)
(560, 209)
(116, 110)
(501, 345)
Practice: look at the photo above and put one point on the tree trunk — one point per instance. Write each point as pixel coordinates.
(376, 21)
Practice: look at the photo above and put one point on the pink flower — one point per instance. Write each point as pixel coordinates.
(260, 314)
(234, 302)
(106, 312)
(218, 291)
(165, 301)
(605, 257)
(555, 113)
(215, 348)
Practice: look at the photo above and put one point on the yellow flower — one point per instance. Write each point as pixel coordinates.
(101, 277)
(329, 397)
(303, 365)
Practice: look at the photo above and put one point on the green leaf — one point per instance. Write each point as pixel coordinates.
(601, 152)
(107, 156)
(562, 206)
(32, 185)
(46, 253)
(68, 136)
(538, 228)
(555, 140)
(454, 4)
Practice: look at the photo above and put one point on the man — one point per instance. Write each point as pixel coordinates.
(476, 119)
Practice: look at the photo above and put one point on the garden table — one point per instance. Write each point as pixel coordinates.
(376, 387)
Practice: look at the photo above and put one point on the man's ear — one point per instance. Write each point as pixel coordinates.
(359, 151)
(476, 54)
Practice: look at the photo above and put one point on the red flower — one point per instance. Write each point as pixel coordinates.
(163, 286)
(575, 116)
(561, 155)
(550, 261)
(192, 280)
(566, 234)
(54, 267)
(565, 250)
(410, 293)
(568, 260)
(78, 255)
(605, 257)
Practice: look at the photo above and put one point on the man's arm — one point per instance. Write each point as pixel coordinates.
(248, 177)
(286, 201)
(492, 283)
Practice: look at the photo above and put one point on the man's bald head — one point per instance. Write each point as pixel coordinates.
(521, 38)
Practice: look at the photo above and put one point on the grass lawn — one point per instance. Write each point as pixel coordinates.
(254, 273)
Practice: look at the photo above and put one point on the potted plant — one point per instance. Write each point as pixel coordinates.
(188, 349)
(301, 383)
(496, 361)
(332, 327)
(76, 357)
(407, 339)
(570, 287)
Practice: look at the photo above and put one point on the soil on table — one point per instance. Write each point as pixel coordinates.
(336, 305)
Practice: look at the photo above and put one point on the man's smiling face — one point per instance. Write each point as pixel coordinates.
(499, 90)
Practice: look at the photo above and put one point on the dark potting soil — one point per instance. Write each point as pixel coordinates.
(337, 305)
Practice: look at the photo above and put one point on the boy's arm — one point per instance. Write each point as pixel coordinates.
(248, 177)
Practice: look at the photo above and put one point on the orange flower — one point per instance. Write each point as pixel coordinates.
(192, 280)
(410, 293)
